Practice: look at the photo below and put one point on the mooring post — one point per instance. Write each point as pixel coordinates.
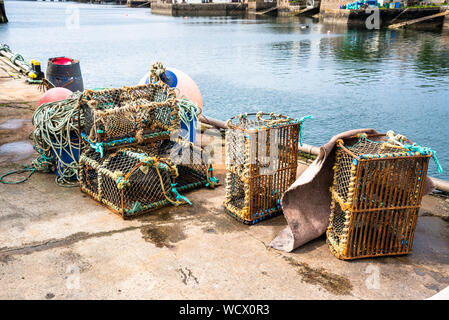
(3, 18)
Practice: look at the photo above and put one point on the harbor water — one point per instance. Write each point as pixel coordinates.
(346, 79)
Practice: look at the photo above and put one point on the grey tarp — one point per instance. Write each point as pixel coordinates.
(306, 204)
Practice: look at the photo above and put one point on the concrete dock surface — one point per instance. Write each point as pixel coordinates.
(58, 243)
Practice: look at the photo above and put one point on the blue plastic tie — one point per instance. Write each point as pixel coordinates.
(177, 195)
(425, 150)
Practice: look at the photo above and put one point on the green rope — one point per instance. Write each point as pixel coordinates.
(25, 169)
(188, 113)
(425, 150)
(179, 197)
(301, 121)
(136, 208)
(55, 124)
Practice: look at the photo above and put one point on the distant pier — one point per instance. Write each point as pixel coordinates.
(139, 3)
(199, 9)
(328, 11)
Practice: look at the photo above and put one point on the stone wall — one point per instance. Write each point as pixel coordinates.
(446, 23)
(199, 9)
(333, 4)
(139, 3)
(259, 5)
(358, 17)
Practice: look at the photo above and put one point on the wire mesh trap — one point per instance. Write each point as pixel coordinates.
(129, 181)
(195, 169)
(129, 115)
(377, 191)
(261, 162)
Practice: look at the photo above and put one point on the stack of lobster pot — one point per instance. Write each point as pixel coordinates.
(130, 160)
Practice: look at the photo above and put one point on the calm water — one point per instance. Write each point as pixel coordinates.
(346, 79)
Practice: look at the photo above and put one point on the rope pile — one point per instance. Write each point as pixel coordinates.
(54, 139)
(55, 135)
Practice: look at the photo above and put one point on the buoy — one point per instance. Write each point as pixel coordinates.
(55, 94)
(187, 88)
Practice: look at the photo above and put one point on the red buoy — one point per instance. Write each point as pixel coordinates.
(55, 94)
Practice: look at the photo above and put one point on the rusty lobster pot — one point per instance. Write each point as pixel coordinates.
(65, 72)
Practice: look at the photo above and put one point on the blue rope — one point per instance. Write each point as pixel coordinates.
(301, 121)
(177, 195)
(425, 150)
(97, 146)
(25, 169)
(214, 180)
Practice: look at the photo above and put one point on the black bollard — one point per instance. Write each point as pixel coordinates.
(65, 72)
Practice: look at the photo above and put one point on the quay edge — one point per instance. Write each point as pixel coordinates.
(48, 233)
(139, 3)
(199, 9)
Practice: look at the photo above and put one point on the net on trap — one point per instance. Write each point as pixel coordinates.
(129, 181)
(128, 115)
(195, 169)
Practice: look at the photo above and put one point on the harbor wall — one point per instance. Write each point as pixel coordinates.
(199, 9)
(332, 4)
(260, 5)
(446, 23)
(3, 18)
(139, 3)
(331, 15)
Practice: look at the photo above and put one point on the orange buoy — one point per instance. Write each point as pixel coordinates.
(187, 88)
(55, 94)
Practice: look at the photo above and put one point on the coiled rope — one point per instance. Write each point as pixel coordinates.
(55, 126)
(188, 114)
(16, 59)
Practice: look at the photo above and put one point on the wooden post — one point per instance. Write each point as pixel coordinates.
(3, 18)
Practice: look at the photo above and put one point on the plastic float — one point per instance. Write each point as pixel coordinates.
(185, 88)
(55, 94)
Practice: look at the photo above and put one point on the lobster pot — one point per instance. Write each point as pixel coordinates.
(129, 115)
(261, 161)
(128, 181)
(194, 166)
(376, 195)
